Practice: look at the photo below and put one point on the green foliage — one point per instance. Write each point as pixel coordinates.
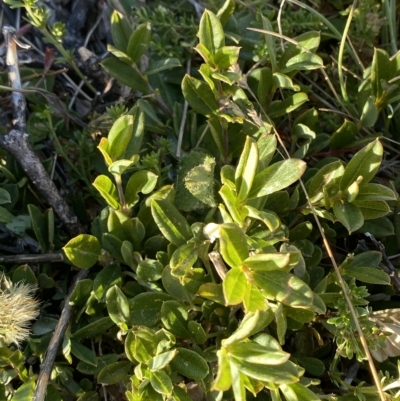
(208, 270)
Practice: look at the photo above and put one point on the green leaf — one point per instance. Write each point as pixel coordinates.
(228, 196)
(208, 58)
(380, 228)
(372, 209)
(183, 259)
(223, 381)
(24, 273)
(170, 222)
(324, 176)
(349, 215)
(375, 192)
(251, 324)
(279, 108)
(120, 136)
(239, 390)
(107, 190)
(108, 277)
(284, 287)
(175, 318)
(135, 145)
(284, 81)
(343, 136)
(161, 382)
(25, 392)
(246, 169)
(213, 292)
(5, 196)
(365, 163)
(103, 147)
(234, 286)
(270, 219)
(197, 332)
(146, 308)
(225, 12)
(115, 372)
(365, 259)
(368, 275)
(267, 261)
(140, 345)
(276, 177)
(119, 167)
(226, 57)
(297, 392)
(253, 352)
(309, 40)
(211, 34)
(270, 42)
(303, 61)
(113, 245)
(264, 77)
(233, 244)
(266, 149)
(199, 96)
(81, 292)
(39, 226)
(162, 360)
(83, 250)
(93, 329)
(120, 30)
(190, 364)
(381, 71)
(142, 181)
(83, 353)
(370, 113)
(161, 65)
(149, 270)
(117, 305)
(253, 299)
(139, 42)
(195, 186)
(126, 75)
(5, 215)
(278, 374)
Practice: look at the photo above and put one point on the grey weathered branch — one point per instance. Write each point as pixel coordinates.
(26, 259)
(16, 142)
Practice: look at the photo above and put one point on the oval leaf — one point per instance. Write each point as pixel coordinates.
(190, 364)
(114, 373)
(83, 250)
(276, 177)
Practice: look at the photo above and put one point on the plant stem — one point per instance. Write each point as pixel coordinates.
(341, 51)
(118, 182)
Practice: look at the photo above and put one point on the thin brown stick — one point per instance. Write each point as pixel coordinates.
(47, 365)
(23, 259)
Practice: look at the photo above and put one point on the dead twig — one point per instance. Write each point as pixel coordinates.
(26, 259)
(47, 365)
(16, 143)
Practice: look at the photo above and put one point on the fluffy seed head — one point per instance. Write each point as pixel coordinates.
(17, 308)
